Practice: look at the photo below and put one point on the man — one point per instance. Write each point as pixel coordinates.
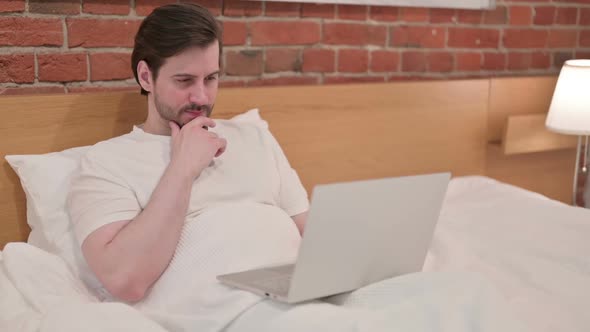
(136, 192)
(161, 211)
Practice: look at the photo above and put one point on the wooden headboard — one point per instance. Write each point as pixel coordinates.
(329, 133)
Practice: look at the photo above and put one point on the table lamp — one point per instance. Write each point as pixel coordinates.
(569, 112)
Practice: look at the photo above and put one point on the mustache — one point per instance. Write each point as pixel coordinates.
(196, 107)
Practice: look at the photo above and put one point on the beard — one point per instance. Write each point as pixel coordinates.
(168, 112)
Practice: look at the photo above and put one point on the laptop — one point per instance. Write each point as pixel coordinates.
(357, 233)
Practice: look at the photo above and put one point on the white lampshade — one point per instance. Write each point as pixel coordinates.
(569, 112)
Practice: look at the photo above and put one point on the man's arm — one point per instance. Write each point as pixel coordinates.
(300, 220)
(293, 196)
(129, 256)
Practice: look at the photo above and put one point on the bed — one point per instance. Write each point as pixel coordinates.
(506, 217)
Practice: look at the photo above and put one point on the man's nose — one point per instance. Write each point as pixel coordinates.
(198, 95)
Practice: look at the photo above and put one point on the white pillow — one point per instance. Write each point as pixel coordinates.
(45, 179)
(251, 116)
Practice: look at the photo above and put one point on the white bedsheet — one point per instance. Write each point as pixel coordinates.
(527, 256)
(535, 250)
(421, 302)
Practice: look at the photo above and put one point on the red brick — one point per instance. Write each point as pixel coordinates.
(234, 33)
(563, 38)
(12, 6)
(566, 15)
(24, 31)
(352, 12)
(525, 38)
(318, 60)
(414, 62)
(560, 57)
(354, 34)
(283, 9)
(353, 61)
(440, 61)
(585, 16)
(318, 10)
(282, 33)
(55, 7)
(519, 61)
(521, 15)
(540, 60)
(145, 7)
(582, 54)
(585, 38)
(544, 15)
(469, 16)
(385, 61)
(496, 16)
(110, 66)
(282, 59)
(112, 7)
(17, 68)
(418, 36)
(353, 79)
(284, 80)
(443, 15)
(92, 89)
(101, 33)
(469, 61)
(62, 67)
(384, 13)
(414, 15)
(242, 8)
(244, 63)
(494, 61)
(474, 38)
(32, 90)
(214, 6)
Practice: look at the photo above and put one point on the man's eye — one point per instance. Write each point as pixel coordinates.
(211, 78)
(184, 80)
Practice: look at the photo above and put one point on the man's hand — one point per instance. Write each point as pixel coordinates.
(193, 147)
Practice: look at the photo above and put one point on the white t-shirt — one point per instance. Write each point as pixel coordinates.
(118, 176)
(238, 217)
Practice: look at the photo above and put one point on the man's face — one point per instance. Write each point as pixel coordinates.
(187, 84)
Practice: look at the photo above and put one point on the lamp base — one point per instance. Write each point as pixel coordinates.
(581, 184)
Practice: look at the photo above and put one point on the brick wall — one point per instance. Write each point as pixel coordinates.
(85, 45)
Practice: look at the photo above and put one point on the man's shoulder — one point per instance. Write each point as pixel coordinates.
(107, 148)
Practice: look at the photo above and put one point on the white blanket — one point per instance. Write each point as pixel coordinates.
(527, 256)
(418, 302)
(534, 250)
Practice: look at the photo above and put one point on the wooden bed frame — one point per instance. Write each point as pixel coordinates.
(329, 133)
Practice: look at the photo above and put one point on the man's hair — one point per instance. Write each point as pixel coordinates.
(171, 29)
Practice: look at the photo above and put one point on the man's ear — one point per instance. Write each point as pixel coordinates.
(144, 74)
